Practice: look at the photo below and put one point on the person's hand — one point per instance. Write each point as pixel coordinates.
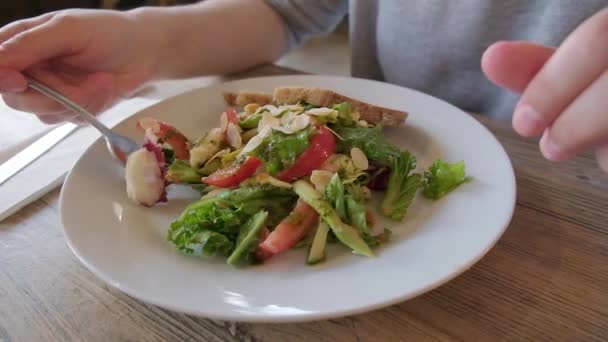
(564, 90)
(92, 56)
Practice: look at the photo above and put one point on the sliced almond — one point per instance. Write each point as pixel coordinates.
(268, 121)
(264, 132)
(288, 118)
(300, 122)
(283, 129)
(359, 158)
(254, 142)
(292, 108)
(320, 179)
(223, 122)
(233, 136)
(322, 111)
(275, 111)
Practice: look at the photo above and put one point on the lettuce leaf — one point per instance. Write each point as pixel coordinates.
(370, 140)
(227, 214)
(402, 186)
(208, 243)
(443, 177)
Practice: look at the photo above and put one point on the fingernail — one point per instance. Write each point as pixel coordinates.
(550, 149)
(527, 120)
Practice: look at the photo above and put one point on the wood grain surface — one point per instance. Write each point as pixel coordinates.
(545, 280)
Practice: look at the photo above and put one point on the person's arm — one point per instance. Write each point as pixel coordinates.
(212, 37)
(97, 57)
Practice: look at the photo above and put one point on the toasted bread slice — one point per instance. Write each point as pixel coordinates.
(327, 98)
(245, 98)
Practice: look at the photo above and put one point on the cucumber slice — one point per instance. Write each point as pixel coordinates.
(248, 238)
(345, 233)
(316, 253)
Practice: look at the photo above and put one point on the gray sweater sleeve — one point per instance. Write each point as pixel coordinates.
(304, 19)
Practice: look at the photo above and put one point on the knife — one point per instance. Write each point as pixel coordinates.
(22, 159)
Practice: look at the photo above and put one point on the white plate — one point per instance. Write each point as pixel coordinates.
(125, 244)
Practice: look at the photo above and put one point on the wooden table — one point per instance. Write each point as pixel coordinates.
(545, 280)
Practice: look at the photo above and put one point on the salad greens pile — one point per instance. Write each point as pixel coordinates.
(216, 225)
(275, 178)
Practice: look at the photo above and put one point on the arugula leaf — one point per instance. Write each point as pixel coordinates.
(402, 186)
(443, 177)
(279, 150)
(370, 140)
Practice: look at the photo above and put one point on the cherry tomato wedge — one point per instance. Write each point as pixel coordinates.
(169, 134)
(291, 230)
(232, 115)
(322, 146)
(261, 254)
(233, 175)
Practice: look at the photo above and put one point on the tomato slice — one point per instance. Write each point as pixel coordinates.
(291, 230)
(232, 115)
(261, 254)
(233, 175)
(178, 142)
(322, 146)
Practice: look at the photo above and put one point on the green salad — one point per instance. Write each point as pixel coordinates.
(275, 177)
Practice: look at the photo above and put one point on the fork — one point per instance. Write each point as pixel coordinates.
(119, 146)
